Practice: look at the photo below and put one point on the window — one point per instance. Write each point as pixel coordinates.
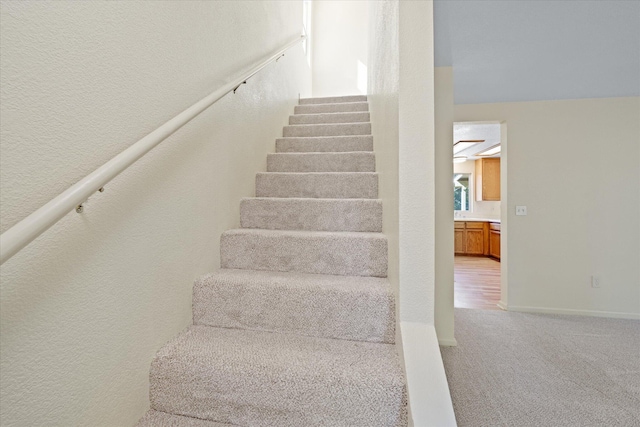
(461, 192)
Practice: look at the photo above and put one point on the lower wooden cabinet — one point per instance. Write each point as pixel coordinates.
(470, 238)
(476, 238)
(458, 233)
(494, 240)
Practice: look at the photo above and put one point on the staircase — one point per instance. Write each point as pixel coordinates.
(297, 328)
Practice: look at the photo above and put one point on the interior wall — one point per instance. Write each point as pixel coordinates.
(416, 130)
(383, 86)
(504, 218)
(575, 165)
(340, 50)
(401, 100)
(85, 306)
(444, 168)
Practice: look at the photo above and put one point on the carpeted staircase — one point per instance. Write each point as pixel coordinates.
(298, 326)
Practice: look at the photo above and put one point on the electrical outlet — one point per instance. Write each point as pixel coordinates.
(595, 281)
(521, 210)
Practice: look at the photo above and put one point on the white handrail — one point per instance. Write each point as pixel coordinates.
(24, 232)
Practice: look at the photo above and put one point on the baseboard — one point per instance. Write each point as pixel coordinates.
(429, 397)
(503, 305)
(447, 342)
(593, 313)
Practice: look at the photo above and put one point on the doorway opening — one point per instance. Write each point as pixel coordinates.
(479, 186)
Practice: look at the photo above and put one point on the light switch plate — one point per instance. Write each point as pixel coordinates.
(521, 210)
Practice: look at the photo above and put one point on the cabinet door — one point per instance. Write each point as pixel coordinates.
(491, 181)
(474, 241)
(458, 241)
(488, 179)
(494, 243)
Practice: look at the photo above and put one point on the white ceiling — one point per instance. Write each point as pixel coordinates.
(489, 131)
(526, 50)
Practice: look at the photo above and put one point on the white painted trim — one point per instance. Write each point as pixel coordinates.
(448, 342)
(429, 397)
(593, 313)
(503, 305)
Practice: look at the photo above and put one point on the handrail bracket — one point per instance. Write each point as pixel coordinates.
(236, 88)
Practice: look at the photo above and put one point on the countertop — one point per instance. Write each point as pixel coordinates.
(471, 219)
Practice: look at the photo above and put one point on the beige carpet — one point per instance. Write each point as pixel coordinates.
(520, 369)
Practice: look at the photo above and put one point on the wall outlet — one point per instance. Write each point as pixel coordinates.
(595, 281)
(521, 210)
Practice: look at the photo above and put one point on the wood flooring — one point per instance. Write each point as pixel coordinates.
(477, 282)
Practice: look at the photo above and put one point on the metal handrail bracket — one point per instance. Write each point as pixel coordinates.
(24, 232)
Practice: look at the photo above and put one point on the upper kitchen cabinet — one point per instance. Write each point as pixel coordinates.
(488, 179)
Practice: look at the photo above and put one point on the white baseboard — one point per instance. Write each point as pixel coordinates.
(503, 305)
(429, 396)
(594, 313)
(447, 342)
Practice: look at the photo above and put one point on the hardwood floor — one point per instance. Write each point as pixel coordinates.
(477, 282)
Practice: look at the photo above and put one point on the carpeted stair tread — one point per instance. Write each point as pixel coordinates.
(297, 328)
(317, 252)
(333, 99)
(275, 213)
(331, 129)
(317, 144)
(342, 307)
(260, 378)
(341, 107)
(323, 185)
(362, 161)
(325, 118)
(162, 419)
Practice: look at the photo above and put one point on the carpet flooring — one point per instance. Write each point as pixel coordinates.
(521, 369)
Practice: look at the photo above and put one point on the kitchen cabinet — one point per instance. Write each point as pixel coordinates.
(471, 238)
(458, 233)
(488, 179)
(494, 240)
(474, 238)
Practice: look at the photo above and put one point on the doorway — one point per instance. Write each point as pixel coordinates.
(478, 180)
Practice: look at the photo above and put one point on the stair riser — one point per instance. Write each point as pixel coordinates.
(318, 185)
(317, 254)
(347, 312)
(308, 119)
(321, 162)
(276, 404)
(253, 378)
(331, 108)
(312, 214)
(324, 144)
(327, 130)
(334, 99)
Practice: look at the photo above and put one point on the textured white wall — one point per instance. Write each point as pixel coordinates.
(340, 50)
(444, 205)
(575, 165)
(416, 159)
(86, 305)
(401, 99)
(402, 108)
(383, 105)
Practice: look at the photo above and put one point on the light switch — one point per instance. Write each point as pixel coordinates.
(521, 210)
